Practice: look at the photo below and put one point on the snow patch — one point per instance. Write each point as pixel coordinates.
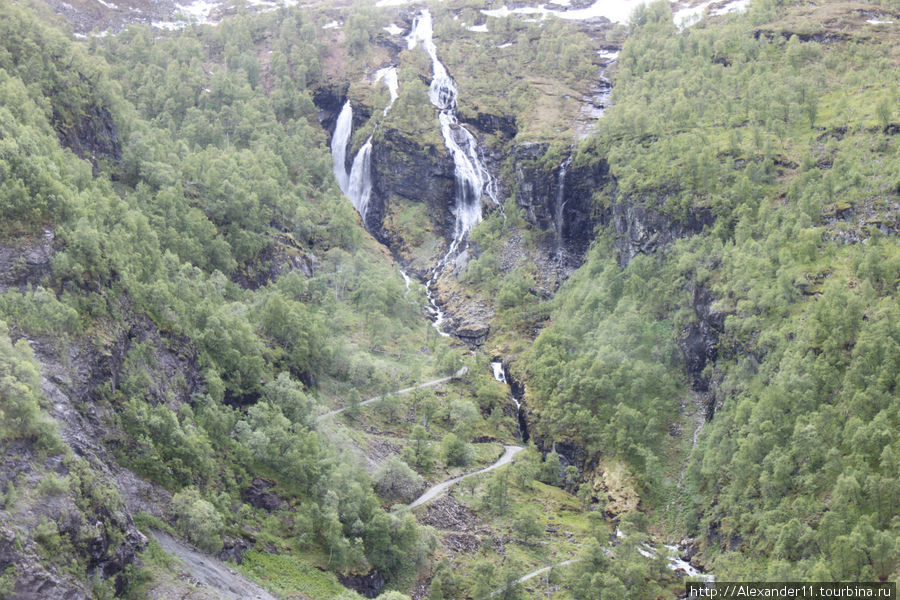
(332, 25)
(393, 29)
(614, 10)
(478, 28)
(879, 22)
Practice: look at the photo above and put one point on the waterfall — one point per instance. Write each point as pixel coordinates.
(357, 183)
(500, 375)
(339, 142)
(472, 177)
(360, 187)
(390, 77)
(561, 202)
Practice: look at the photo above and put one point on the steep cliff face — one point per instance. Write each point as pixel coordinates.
(559, 200)
(699, 343)
(643, 230)
(93, 135)
(404, 168)
(26, 264)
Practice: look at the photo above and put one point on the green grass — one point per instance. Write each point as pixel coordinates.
(290, 577)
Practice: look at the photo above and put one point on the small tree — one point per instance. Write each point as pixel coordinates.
(427, 409)
(457, 452)
(198, 520)
(551, 468)
(528, 524)
(419, 452)
(395, 481)
(353, 401)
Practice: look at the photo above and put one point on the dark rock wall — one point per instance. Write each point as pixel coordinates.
(94, 136)
(644, 230)
(537, 191)
(402, 166)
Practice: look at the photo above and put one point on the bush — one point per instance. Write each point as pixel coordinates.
(198, 520)
(395, 481)
(457, 453)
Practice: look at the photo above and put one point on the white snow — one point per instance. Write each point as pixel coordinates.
(614, 10)
(393, 29)
(737, 6)
(198, 10)
(879, 22)
(505, 45)
(108, 5)
(478, 28)
(685, 17)
(331, 25)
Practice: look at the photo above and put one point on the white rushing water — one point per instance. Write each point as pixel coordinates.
(673, 559)
(339, 141)
(473, 180)
(360, 180)
(356, 183)
(561, 201)
(500, 375)
(391, 80)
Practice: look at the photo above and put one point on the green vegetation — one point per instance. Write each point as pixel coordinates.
(789, 479)
(225, 295)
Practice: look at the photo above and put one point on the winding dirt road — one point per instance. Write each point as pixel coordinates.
(456, 375)
(436, 490)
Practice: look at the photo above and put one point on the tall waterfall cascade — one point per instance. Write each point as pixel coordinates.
(561, 202)
(500, 375)
(473, 181)
(339, 141)
(356, 183)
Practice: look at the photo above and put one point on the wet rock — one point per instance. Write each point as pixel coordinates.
(699, 340)
(329, 99)
(643, 230)
(260, 496)
(559, 198)
(368, 585)
(489, 123)
(402, 167)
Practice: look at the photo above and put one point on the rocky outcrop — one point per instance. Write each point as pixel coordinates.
(699, 343)
(559, 199)
(504, 125)
(259, 495)
(26, 264)
(329, 99)
(92, 509)
(402, 166)
(93, 136)
(644, 230)
(280, 257)
(368, 585)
